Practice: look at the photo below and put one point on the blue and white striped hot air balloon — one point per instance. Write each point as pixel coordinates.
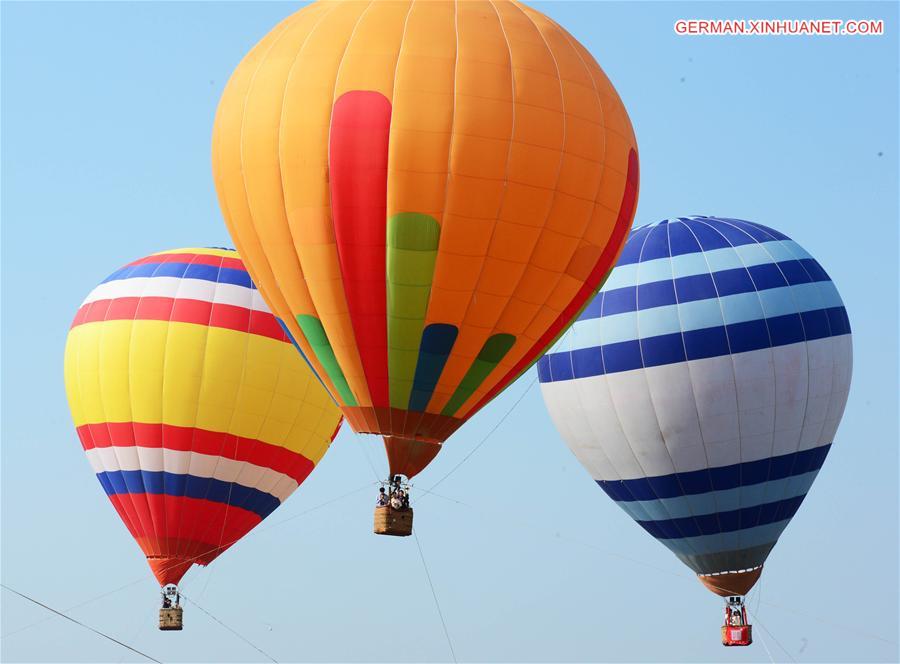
(703, 386)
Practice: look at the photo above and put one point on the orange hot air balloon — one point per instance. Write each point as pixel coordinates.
(427, 193)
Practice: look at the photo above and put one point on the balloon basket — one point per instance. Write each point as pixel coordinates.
(737, 636)
(170, 619)
(390, 521)
(736, 631)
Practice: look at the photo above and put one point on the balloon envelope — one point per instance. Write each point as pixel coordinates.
(195, 411)
(703, 386)
(426, 193)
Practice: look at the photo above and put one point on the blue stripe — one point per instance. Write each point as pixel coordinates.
(701, 314)
(686, 265)
(434, 350)
(757, 231)
(682, 240)
(724, 522)
(696, 344)
(719, 501)
(631, 252)
(735, 540)
(716, 479)
(656, 243)
(690, 235)
(190, 486)
(221, 275)
(706, 286)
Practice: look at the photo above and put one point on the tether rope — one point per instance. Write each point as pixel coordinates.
(756, 620)
(487, 436)
(434, 594)
(561, 537)
(81, 624)
(233, 631)
(227, 544)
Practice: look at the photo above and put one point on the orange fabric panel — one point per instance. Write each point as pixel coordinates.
(283, 295)
(502, 128)
(731, 583)
(409, 457)
(308, 91)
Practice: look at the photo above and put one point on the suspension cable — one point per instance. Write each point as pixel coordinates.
(560, 537)
(191, 559)
(489, 434)
(434, 594)
(362, 446)
(81, 624)
(764, 644)
(831, 623)
(233, 631)
(756, 620)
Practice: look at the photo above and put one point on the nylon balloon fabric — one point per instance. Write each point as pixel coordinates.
(703, 386)
(196, 413)
(426, 193)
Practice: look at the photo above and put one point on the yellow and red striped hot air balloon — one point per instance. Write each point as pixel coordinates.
(427, 193)
(196, 413)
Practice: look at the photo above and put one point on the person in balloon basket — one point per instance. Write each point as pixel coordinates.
(382, 500)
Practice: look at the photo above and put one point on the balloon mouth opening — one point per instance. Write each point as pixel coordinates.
(731, 583)
(169, 570)
(408, 457)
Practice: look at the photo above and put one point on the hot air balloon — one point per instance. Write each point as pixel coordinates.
(426, 193)
(195, 411)
(702, 389)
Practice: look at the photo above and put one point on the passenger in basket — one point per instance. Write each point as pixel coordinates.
(382, 500)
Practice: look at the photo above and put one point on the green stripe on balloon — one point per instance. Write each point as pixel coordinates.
(556, 338)
(318, 340)
(493, 350)
(412, 245)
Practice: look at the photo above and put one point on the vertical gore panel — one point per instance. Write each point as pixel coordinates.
(315, 335)
(600, 271)
(358, 158)
(409, 457)
(437, 342)
(494, 349)
(412, 244)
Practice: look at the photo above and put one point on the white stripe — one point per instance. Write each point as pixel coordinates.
(177, 287)
(156, 459)
(700, 314)
(688, 265)
(704, 413)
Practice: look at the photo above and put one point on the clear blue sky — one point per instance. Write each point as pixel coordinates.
(106, 116)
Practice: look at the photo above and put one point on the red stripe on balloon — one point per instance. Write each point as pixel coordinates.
(358, 161)
(182, 310)
(195, 259)
(590, 286)
(202, 441)
(195, 520)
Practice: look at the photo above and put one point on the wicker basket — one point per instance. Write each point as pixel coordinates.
(170, 619)
(389, 521)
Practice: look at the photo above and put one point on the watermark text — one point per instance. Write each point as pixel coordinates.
(789, 27)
